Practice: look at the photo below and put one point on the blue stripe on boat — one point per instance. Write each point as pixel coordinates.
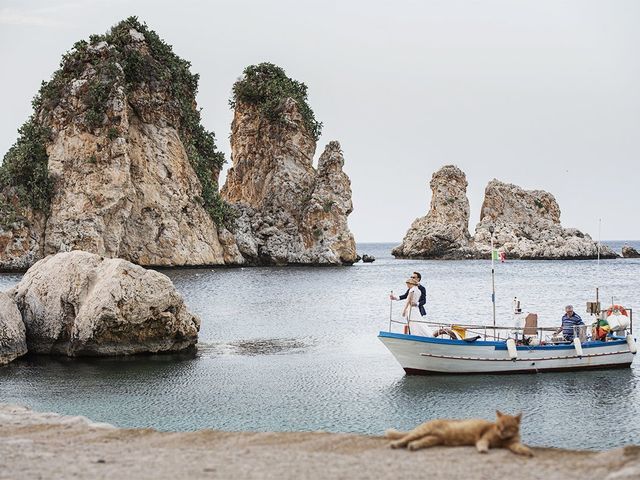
(497, 345)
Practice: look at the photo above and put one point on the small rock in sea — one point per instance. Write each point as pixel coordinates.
(81, 304)
(358, 258)
(13, 342)
(630, 252)
(368, 258)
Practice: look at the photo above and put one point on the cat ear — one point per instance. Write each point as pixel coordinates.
(499, 414)
(519, 416)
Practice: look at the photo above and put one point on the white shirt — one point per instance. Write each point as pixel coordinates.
(412, 300)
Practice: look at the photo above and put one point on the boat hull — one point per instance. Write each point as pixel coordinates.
(428, 356)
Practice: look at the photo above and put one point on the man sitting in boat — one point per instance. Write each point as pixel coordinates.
(569, 320)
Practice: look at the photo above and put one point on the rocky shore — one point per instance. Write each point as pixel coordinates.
(47, 445)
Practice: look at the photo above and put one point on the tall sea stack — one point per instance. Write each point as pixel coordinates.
(444, 231)
(287, 211)
(114, 161)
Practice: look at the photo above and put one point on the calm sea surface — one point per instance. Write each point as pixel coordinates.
(295, 348)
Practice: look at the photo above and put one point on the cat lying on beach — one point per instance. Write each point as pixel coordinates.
(504, 433)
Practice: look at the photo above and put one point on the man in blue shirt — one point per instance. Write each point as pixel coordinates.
(570, 320)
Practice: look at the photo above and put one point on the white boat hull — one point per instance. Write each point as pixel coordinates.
(428, 355)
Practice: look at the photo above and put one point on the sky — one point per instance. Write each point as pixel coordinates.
(544, 93)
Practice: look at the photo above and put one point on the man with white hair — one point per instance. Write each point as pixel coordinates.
(569, 320)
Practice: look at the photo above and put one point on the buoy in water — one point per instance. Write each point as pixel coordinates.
(511, 348)
(578, 346)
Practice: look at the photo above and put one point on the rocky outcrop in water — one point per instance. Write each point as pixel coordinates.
(114, 161)
(13, 343)
(287, 211)
(630, 252)
(527, 226)
(82, 304)
(444, 231)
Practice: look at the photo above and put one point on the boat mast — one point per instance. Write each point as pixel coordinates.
(493, 281)
(598, 266)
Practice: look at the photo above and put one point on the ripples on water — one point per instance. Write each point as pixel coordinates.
(295, 348)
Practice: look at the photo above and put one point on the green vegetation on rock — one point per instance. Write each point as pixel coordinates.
(119, 62)
(268, 86)
(24, 179)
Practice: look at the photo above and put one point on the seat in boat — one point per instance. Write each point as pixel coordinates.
(530, 325)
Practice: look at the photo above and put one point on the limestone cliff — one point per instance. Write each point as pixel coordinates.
(129, 171)
(444, 231)
(527, 225)
(287, 211)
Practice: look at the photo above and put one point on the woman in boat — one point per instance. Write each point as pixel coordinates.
(410, 310)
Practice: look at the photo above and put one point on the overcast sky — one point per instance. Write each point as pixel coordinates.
(543, 93)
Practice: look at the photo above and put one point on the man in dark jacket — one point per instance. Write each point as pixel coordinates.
(423, 294)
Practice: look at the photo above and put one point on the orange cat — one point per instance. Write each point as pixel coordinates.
(504, 433)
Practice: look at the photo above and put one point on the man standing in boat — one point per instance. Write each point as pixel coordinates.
(569, 320)
(423, 294)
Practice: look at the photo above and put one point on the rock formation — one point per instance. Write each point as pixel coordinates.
(13, 342)
(444, 231)
(114, 161)
(21, 239)
(81, 304)
(527, 226)
(287, 211)
(630, 252)
(368, 258)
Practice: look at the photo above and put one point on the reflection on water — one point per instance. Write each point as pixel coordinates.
(267, 347)
(299, 352)
(258, 346)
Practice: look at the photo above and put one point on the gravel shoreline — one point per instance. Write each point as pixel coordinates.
(48, 445)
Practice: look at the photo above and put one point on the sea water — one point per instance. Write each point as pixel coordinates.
(295, 348)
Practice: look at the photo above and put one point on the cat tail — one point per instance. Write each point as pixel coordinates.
(394, 434)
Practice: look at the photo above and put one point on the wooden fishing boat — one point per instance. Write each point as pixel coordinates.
(473, 349)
